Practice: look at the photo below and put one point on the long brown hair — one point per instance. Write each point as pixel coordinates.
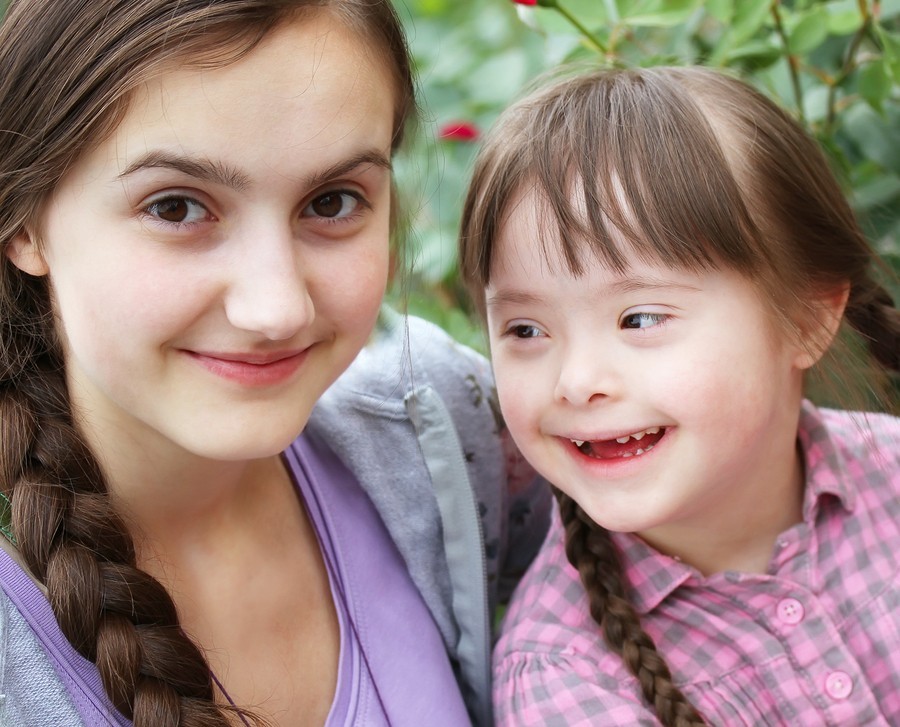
(67, 71)
(697, 170)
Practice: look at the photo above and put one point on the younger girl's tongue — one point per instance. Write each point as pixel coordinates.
(611, 449)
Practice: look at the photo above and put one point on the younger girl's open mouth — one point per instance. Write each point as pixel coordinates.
(628, 445)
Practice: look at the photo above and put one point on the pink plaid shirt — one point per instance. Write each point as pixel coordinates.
(815, 641)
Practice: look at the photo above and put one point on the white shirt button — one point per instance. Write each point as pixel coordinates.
(790, 611)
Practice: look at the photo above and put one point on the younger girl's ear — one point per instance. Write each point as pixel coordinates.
(24, 252)
(821, 327)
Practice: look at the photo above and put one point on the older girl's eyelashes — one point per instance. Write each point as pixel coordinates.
(338, 204)
(177, 210)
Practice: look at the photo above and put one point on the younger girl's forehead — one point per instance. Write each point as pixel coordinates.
(531, 226)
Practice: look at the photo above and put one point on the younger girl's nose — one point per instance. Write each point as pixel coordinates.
(586, 376)
(268, 291)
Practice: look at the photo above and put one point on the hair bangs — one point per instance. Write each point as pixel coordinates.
(615, 160)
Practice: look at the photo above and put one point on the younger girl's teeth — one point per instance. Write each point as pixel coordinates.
(637, 435)
(578, 442)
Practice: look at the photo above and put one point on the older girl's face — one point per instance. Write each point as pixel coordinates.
(220, 259)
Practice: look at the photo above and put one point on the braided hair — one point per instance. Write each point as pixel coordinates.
(591, 552)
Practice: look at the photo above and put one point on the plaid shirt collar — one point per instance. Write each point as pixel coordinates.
(653, 576)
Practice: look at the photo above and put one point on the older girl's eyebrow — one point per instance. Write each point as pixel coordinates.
(370, 157)
(207, 170)
(200, 168)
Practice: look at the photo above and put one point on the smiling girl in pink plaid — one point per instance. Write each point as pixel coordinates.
(661, 256)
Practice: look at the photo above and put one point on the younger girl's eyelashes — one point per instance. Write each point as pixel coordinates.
(524, 330)
(643, 319)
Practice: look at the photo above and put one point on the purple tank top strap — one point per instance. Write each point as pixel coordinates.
(405, 675)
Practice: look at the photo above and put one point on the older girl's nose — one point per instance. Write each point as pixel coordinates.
(268, 291)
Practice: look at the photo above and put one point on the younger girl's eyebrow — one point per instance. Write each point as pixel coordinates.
(638, 283)
(625, 285)
(207, 170)
(511, 297)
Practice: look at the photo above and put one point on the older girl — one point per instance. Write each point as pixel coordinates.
(661, 256)
(195, 203)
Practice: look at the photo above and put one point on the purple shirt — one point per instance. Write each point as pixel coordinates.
(393, 668)
(814, 641)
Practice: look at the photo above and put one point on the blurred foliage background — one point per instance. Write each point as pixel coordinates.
(835, 64)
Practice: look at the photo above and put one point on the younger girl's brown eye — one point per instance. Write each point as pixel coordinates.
(526, 331)
(643, 320)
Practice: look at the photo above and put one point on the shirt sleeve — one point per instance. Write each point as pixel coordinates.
(557, 690)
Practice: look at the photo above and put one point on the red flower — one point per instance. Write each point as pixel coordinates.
(525, 2)
(458, 131)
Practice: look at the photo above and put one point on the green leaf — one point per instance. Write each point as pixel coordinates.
(749, 17)
(877, 193)
(721, 10)
(843, 17)
(756, 54)
(498, 77)
(591, 13)
(431, 7)
(890, 45)
(875, 84)
(815, 103)
(878, 137)
(664, 15)
(809, 32)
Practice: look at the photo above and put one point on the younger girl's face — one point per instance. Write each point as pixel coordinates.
(663, 401)
(220, 259)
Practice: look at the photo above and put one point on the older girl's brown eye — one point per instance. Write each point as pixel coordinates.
(177, 210)
(328, 205)
(172, 210)
(333, 205)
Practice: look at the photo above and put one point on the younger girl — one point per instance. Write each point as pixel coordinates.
(661, 255)
(195, 208)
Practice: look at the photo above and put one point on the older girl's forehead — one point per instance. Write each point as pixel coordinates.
(300, 97)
